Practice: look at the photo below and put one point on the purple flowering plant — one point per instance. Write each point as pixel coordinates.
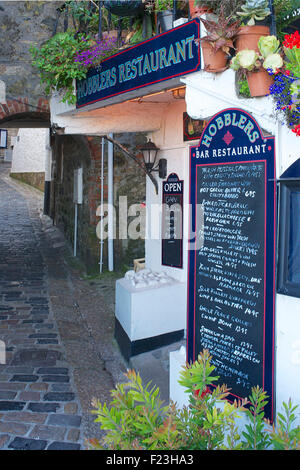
(66, 57)
(94, 55)
(286, 103)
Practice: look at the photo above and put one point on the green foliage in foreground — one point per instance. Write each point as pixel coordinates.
(55, 61)
(137, 419)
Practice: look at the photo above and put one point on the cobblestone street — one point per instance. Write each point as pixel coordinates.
(60, 350)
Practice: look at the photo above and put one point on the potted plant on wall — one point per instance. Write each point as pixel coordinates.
(217, 43)
(253, 12)
(201, 7)
(164, 14)
(258, 67)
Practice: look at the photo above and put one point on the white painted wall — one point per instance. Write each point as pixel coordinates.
(123, 117)
(169, 139)
(29, 152)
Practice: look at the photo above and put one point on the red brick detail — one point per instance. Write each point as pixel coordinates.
(11, 109)
(43, 105)
(5, 109)
(25, 101)
(21, 105)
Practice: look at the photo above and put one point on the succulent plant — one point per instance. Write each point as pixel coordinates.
(255, 10)
(245, 60)
(269, 58)
(268, 45)
(220, 32)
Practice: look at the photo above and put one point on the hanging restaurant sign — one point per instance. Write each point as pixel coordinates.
(232, 268)
(163, 57)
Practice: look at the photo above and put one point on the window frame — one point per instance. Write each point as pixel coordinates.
(284, 285)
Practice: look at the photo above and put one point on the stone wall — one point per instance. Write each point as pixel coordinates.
(73, 151)
(36, 179)
(23, 24)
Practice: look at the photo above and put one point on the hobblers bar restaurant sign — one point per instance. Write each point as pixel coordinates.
(231, 287)
(163, 57)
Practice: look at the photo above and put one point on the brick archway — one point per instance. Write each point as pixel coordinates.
(20, 112)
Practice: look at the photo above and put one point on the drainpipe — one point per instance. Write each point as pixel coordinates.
(48, 161)
(75, 230)
(110, 217)
(102, 212)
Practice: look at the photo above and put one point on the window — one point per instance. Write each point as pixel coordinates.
(289, 239)
(3, 139)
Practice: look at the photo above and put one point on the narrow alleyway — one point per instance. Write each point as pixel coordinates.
(60, 351)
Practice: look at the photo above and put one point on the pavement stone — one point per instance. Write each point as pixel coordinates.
(4, 438)
(57, 342)
(19, 443)
(58, 327)
(30, 331)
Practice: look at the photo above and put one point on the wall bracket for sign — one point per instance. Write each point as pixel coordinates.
(231, 286)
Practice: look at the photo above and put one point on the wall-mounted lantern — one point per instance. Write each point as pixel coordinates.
(150, 152)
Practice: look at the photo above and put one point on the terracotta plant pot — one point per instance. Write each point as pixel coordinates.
(259, 82)
(213, 61)
(196, 11)
(248, 36)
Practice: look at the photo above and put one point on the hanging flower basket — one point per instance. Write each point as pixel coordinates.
(125, 7)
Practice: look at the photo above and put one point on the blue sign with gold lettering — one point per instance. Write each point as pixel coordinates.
(163, 57)
(231, 301)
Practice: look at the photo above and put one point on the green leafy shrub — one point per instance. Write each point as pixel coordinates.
(137, 419)
(56, 65)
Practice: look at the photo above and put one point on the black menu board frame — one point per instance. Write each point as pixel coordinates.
(172, 247)
(231, 271)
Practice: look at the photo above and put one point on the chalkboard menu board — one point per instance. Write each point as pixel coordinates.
(172, 221)
(231, 267)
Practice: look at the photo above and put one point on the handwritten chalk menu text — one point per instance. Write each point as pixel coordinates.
(231, 272)
(172, 221)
